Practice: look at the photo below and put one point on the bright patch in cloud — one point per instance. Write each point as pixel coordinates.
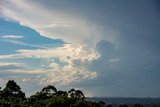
(67, 74)
(67, 51)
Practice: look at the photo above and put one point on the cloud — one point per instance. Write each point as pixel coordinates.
(55, 23)
(67, 51)
(10, 66)
(114, 60)
(18, 68)
(27, 71)
(11, 37)
(17, 42)
(6, 64)
(75, 57)
(56, 74)
(67, 73)
(92, 52)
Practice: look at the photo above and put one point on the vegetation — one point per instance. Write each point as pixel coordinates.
(49, 96)
(12, 96)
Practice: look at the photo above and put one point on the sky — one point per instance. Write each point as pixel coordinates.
(106, 48)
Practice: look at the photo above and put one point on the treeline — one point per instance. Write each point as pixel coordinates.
(49, 96)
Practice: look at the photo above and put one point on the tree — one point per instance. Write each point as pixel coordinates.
(49, 89)
(102, 103)
(12, 89)
(79, 94)
(12, 86)
(76, 93)
(12, 96)
(61, 93)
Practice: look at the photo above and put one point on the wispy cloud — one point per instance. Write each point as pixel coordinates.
(17, 42)
(67, 51)
(114, 60)
(11, 37)
(10, 66)
(27, 71)
(6, 64)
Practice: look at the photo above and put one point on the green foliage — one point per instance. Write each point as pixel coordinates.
(76, 94)
(49, 89)
(12, 96)
(12, 90)
(49, 96)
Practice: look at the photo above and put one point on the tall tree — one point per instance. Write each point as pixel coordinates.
(12, 89)
(76, 93)
(49, 89)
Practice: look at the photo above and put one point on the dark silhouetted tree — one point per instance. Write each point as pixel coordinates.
(49, 89)
(12, 89)
(76, 93)
(61, 93)
(12, 96)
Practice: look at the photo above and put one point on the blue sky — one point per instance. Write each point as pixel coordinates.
(105, 47)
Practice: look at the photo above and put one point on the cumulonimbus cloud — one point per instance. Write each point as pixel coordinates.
(54, 24)
(50, 23)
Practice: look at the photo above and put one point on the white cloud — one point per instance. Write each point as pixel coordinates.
(11, 37)
(13, 64)
(27, 71)
(60, 75)
(67, 74)
(18, 68)
(80, 33)
(52, 23)
(67, 51)
(10, 66)
(70, 72)
(17, 42)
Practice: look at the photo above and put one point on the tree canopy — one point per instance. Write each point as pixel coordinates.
(49, 96)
